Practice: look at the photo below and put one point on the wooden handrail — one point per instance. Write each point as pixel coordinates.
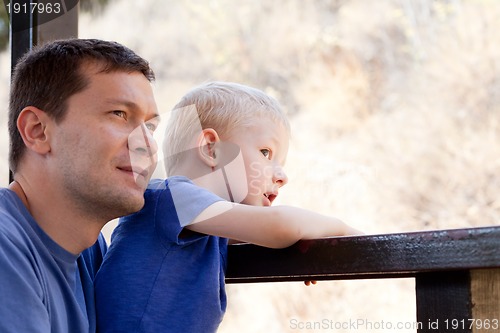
(372, 256)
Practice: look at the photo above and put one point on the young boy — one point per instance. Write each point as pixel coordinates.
(226, 145)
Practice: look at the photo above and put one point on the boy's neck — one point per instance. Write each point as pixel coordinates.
(213, 181)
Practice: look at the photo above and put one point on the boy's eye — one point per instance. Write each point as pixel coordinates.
(266, 153)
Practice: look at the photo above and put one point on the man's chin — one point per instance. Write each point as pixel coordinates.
(130, 205)
(137, 205)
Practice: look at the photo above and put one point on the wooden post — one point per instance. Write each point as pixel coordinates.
(485, 295)
(459, 301)
(444, 301)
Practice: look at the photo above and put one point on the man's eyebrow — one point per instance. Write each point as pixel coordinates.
(128, 104)
(119, 101)
(156, 117)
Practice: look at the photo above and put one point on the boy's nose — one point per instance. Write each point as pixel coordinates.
(280, 176)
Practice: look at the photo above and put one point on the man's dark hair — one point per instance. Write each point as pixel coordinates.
(48, 75)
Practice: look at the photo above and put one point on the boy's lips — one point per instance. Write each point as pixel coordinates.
(271, 197)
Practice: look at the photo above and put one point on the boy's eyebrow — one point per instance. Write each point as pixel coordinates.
(275, 140)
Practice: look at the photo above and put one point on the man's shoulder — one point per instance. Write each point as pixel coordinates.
(16, 235)
(20, 234)
(13, 220)
(7, 199)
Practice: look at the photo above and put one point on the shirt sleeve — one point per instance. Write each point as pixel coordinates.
(190, 200)
(176, 206)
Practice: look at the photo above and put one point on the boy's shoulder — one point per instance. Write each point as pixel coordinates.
(180, 194)
(173, 181)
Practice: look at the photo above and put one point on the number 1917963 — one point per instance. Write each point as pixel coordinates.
(478, 324)
(34, 7)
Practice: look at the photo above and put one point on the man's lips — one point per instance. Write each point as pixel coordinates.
(136, 171)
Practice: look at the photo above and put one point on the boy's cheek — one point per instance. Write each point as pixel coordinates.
(254, 187)
(235, 174)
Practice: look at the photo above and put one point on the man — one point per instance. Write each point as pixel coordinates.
(73, 107)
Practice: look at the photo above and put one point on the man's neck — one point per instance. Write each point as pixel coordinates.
(73, 232)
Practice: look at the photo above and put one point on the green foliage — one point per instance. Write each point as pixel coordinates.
(4, 28)
(93, 6)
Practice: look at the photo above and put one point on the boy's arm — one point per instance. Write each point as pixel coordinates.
(275, 227)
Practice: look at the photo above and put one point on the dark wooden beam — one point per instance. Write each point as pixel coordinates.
(376, 256)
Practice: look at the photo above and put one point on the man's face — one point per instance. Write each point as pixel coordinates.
(93, 147)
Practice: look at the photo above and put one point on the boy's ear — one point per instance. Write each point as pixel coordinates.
(32, 124)
(207, 146)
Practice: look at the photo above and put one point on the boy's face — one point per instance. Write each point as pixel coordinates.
(264, 147)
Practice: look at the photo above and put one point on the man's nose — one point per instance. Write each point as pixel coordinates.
(141, 141)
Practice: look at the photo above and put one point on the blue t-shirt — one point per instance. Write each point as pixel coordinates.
(43, 287)
(158, 276)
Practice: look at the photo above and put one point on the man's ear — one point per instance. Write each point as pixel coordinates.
(32, 125)
(207, 146)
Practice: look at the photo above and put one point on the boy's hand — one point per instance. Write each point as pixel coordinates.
(308, 283)
(350, 231)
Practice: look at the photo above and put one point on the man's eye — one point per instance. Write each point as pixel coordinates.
(121, 114)
(266, 153)
(151, 126)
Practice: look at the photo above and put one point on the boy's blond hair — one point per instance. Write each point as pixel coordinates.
(222, 106)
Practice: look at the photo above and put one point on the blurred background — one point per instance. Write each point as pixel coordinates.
(395, 112)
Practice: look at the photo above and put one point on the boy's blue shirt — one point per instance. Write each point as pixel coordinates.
(155, 279)
(43, 287)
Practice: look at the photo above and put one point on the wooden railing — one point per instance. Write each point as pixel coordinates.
(457, 272)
